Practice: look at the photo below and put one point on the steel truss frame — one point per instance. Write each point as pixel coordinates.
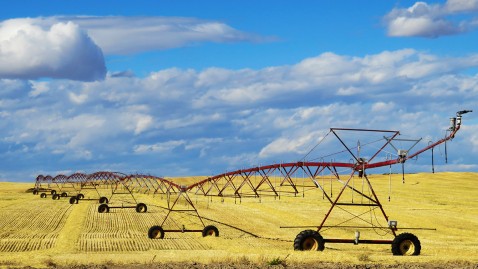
(271, 180)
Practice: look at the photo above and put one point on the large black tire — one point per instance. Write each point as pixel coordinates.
(35, 192)
(103, 200)
(53, 192)
(64, 194)
(103, 208)
(210, 230)
(73, 200)
(156, 232)
(80, 196)
(43, 195)
(406, 244)
(55, 197)
(309, 240)
(141, 208)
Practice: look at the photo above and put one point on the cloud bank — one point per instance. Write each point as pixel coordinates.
(189, 122)
(432, 20)
(31, 50)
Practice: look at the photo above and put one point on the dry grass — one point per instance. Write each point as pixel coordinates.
(41, 232)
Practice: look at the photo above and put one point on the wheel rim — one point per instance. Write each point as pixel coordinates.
(407, 247)
(210, 233)
(310, 244)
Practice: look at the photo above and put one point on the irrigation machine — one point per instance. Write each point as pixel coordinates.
(359, 150)
(298, 177)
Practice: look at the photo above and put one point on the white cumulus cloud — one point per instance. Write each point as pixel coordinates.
(432, 20)
(164, 147)
(29, 49)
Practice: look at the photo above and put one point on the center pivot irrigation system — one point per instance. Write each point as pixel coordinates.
(362, 149)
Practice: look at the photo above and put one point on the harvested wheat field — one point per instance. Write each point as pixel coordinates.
(42, 233)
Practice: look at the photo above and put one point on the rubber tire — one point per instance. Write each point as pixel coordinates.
(80, 196)
(64, 194)
(309, 240)
(406, 244)
(43, 195)
(210, 230)
(141, 208)
(103, 200)
(53, 192)
(156, 232)
(73, 200)
(103, 208)
(55, 197)
(35, 192)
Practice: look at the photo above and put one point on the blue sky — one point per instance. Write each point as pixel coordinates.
(199, 87)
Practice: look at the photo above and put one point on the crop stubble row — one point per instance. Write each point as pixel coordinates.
(36, 224)
(126, 230)
(31, 225)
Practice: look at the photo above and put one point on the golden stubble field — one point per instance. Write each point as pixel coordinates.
(44, 232)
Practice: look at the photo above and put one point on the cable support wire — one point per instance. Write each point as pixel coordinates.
(378, 224)
(355, 216)
(345, 150)
(314, 147)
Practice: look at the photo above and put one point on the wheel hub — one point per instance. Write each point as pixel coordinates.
(310, 244)
(407, 247)
(155, 233)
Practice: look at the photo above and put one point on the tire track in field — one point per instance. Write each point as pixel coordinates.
(67, 240)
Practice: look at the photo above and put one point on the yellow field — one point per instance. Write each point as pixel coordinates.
(42, 232)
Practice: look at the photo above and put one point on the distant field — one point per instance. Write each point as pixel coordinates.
(43, 232)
